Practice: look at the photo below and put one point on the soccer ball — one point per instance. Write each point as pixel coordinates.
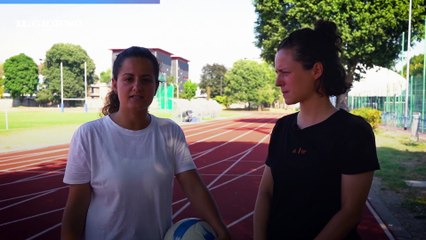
(190, 229)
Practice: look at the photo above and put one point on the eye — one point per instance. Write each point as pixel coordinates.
(147, 80)
(128, 79)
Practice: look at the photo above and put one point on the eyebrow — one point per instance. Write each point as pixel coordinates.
(143, 75)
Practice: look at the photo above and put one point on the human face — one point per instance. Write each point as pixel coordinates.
(136, 84)
(297, 84)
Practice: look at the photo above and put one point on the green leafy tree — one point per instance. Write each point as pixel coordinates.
(72, 58)
(416, 65)
(44, 96)
(249, 81)
(1, 81)
(212, 80)
(223, 99)
(189, 90)
(371, 30)
(21, 75)
(106, 76)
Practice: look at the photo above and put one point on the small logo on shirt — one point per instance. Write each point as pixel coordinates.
(299, 151)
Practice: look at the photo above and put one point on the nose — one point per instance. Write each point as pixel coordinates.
(279, 81)
(137, 84)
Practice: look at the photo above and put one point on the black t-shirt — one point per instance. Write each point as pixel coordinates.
(307, 165)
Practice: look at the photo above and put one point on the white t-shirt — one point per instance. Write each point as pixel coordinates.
(131, 175)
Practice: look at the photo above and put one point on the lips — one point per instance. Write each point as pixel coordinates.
(136, 97)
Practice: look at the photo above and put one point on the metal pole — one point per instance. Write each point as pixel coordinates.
(408, 66)
(85, 86)
(165, 95)
(412, 94)
(424, 82)
(62, 88)
(177, 79)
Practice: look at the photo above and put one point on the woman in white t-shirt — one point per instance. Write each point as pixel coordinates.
(121, 167)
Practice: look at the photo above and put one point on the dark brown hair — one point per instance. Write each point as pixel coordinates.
(321, 44)
(112, 103)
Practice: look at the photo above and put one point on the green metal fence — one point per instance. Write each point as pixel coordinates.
(393, 107)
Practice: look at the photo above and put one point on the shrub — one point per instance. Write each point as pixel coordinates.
(372, 116)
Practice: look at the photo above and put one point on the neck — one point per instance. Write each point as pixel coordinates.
(316, 111)
(135, 121)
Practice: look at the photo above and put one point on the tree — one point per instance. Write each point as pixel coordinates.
(189, 90)
(371, 30)
(44, 96)
(106, 76)
(21, 75)
(1, 81)
(212, 77)
(416, 65)
(72, 58)
(251, 82)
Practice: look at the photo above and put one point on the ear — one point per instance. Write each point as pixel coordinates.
(114, 85)
(317, 70)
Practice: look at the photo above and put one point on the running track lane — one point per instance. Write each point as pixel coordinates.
(229, 155)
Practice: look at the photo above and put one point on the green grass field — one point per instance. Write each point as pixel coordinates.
(29, 128)
(403, 158)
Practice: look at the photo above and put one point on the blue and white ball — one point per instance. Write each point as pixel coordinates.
(190, 229)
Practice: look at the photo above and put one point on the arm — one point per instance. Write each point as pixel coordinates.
(74, 218)
(355, 190)
(201, 200)
(263, 202)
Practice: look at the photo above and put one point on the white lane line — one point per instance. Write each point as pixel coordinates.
(227, 142)
(29, 199)
(45, 231)
(32, 194)
(28, 155)
(32, 164)
(211, 127)
(236, 178)
(224, 172)
(216, 135)
(240, 219)
(30, 217)
(226, 182)
(35, 177)
(379, 220)
(31, 160)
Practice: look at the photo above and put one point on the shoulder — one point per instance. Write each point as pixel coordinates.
(353, 126)
(165, 124)
(287, 119)
(351, 121)
(93, 125)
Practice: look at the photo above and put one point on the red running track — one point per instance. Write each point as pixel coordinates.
(229, 155)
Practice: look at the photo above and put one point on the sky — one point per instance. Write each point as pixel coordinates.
(202, 31)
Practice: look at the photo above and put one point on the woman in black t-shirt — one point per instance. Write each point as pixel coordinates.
(321, 160)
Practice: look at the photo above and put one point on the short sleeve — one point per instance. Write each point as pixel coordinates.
(182, 155)
(359, 153)
(77, 170)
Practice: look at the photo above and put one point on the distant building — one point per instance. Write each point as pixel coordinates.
(170, 65)
(180, 70)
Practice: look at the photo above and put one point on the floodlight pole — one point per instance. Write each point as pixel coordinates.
(424, 80)
(62, 88)
(408, 67)
(177, 79)
(85, 86)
